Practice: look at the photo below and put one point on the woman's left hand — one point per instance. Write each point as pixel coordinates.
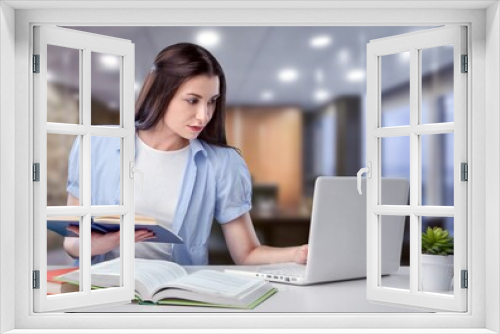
(301, 254)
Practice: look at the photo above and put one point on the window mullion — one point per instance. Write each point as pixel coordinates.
(415, 90)
(434, 129)
(85, 167)
(373, 156)
(127, 156)
(77, 129)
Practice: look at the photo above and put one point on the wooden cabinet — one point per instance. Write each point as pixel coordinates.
(270, 140)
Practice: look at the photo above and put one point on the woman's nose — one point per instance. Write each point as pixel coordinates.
(202, 114)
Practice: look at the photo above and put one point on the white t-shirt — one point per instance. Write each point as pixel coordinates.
(163, 174)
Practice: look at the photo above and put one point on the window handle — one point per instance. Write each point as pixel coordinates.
(133, 170)
(368, 171)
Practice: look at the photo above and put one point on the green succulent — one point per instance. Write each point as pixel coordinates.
(437, 241)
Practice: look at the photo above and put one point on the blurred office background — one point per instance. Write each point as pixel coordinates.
(295, 107)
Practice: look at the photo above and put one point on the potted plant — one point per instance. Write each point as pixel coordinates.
(437, 260)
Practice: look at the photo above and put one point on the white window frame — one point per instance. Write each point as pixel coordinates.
(483, 125)
(414, 43)
(84, 43)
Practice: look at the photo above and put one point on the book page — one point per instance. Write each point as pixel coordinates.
(115, 219)
(155, 273)
(217, 283)
(150, 275)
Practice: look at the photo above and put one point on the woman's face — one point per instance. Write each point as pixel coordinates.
(192, 106)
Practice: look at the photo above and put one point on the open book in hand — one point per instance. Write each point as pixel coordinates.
(111, 223)
(167, 283)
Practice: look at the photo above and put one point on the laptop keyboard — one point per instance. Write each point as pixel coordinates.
(292, 271)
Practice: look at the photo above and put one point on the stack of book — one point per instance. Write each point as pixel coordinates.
(55, 286)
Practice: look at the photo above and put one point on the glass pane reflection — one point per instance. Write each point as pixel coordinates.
(391, 238)
(437, 169)
(395, 161)
(63, 85)
(395, 89)
(105, 89)
(59, 261)
(437, 260)
(58, 152)
(437, 84)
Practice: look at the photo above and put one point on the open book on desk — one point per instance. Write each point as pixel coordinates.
(167, 283)
(111, 223)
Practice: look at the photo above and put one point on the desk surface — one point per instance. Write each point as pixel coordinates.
(345, 296)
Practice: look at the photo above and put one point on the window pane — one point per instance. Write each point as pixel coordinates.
(63, 85)
(395, 89)
(105, 89)
(58, 260)
(58, 156)
(111, 224)
(436, 274)
(437, 169)
(106, 171)
(437, 84)
(391, 240)
(395, 154)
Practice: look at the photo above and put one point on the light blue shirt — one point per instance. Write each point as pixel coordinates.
(216, 184)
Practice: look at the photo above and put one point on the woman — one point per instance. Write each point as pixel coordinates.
(191, 174)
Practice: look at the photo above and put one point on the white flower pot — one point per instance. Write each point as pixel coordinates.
(437, 273)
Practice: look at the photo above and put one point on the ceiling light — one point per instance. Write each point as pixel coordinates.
(319, 42)
(109, 62)
(356, 75)
(288, 75)
(208, 38)
(267, 95)
(321, 95)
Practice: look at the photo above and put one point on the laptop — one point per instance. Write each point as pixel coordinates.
(337, 236)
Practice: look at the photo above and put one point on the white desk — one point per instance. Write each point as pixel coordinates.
(345, 296)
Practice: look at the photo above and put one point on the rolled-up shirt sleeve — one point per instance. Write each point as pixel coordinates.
(73, 183)
(234, 188)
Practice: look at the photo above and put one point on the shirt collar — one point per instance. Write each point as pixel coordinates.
(196, 146)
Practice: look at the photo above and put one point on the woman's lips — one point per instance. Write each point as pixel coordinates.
(195, 128)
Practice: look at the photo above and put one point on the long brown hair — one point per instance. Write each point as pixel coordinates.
(173, 66)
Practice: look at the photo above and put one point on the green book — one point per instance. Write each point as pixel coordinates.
(167, 283)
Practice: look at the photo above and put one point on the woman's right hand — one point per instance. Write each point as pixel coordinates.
(101, 243)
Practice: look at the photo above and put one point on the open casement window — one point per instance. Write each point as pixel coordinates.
(418, 125)
(71, 72)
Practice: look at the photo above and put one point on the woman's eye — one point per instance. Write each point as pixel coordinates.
(192, 101)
